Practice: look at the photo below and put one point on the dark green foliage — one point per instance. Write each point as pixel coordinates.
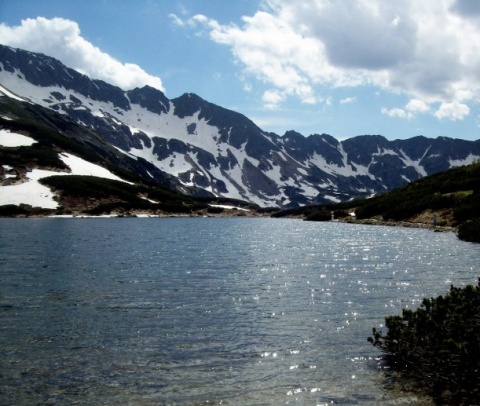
(215, 210)
(456, 190)
(320, 215)
(12, 210)
(403, 203)
(92, 187)
(470, 230)
(438, 345)
(340, 214)
(113, 195)
(163, 194)
(35, 154)
(297, 211)
(432, 192)
(131, 207)
(468, 207)
(266, 210)
(124, 207)
(325, 214)
(48, 137)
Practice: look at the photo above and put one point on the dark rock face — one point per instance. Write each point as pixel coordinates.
(46, 71)
(223, 152)
(93, 146)
(149, 98)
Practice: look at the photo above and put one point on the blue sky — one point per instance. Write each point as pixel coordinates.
(346, 68)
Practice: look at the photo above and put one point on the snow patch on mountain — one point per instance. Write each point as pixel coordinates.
(415, 164)
(6, 92)
(384, 151)
(12, 139)
(31, 191)
(470, 159)
(79, 166)
(223, 152)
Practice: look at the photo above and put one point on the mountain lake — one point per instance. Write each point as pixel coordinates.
(197, 311)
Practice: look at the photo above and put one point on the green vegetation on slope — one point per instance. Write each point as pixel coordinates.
(437, 346)
(446, 190)
(34, 155)
(451, 198)
(96, 196)
(49, 141)
(104, 196)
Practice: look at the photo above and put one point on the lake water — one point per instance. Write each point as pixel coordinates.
(196, 311)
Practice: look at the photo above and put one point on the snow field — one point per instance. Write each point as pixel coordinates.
(32, 192)
(11, 139)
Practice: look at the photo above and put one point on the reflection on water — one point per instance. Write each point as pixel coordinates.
(217, 311)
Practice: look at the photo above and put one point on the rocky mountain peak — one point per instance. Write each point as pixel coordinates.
(222, 151)
(150, 99)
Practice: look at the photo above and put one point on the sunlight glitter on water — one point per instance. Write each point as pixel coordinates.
(160, 312)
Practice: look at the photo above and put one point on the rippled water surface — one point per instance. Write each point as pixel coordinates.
(209, 311)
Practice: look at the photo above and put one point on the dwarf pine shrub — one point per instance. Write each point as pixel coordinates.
(437, 346)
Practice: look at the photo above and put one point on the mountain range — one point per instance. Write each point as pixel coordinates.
(198, 148)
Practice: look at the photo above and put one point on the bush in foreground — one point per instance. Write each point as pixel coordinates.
(438, 345)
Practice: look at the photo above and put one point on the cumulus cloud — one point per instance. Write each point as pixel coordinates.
(427, 50)
(62, 39)
(417, 106)
(409, 111)
(397, 112)
(452, 111)
(272, 99)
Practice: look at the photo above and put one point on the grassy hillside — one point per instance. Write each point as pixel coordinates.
(447, 199)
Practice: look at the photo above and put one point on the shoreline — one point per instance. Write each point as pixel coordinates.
(232, 213)
(407, 224)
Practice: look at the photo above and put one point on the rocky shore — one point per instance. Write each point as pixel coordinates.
(411, 224)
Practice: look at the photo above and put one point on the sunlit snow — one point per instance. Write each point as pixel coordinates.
(470, 159)
(228, 207)
(415, 164)
(35, 194)
(8, 93)
(79, 166)
(199, 133)
(11, 139)
(32, 193)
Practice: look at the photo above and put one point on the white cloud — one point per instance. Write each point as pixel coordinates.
(61, 39)
(177, 21)
(348, 100)
(452, 111)
(270, 51)
(427, 50)
(397, 112)
(272, 99)
(417, 106)
(409, 111)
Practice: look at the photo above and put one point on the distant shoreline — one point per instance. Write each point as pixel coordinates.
(229, 213)
(408, 224)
